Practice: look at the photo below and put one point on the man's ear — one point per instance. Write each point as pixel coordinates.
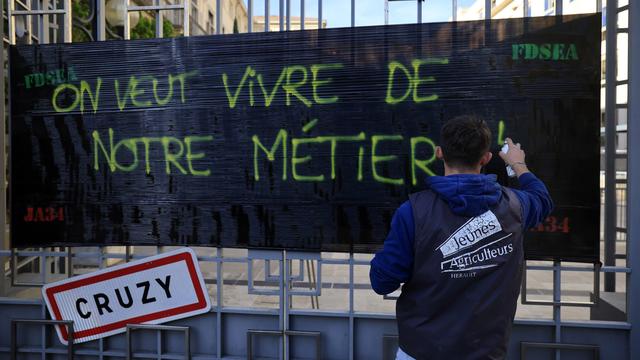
(439, 154)
(484, 160)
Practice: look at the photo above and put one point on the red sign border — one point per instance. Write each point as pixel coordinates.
(185, 256)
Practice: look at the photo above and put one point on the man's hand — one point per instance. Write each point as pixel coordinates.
(515, 158)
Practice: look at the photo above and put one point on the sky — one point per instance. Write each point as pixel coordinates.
(337, 13)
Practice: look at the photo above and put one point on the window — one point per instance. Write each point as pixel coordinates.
(621, 141)
(210, 27)
(194, 18)
(194, 10)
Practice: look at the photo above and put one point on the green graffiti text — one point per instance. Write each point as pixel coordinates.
(137, 92)
(292, 83)
(178, 153)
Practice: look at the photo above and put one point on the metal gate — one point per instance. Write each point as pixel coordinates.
(286, 305)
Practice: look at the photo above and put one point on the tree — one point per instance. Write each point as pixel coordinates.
(167, 29)
(80, 10)
(146, 29)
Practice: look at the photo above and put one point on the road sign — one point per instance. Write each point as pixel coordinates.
(153, 290)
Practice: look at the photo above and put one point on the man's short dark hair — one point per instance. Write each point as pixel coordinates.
(464, 140)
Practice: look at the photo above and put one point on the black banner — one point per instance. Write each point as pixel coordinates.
(303, 140)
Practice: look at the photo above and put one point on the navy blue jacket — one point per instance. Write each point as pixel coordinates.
(467, 195)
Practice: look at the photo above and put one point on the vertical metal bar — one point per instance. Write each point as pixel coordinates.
(43, 267)
(525, 8)
(283, 309)
(219, 300)
(159, 21)
(101, 31)
(43, 334)
(288, 6)
(287, 303)
(11, 23)
(69, 260)
(14, 330)
(281, 15)
(419, 11)
(318, 348)
(101, 348)
(559, 7)
(610, 211)
(127, 23)
(319, 14)
(313, 284)
(250, 13)
(128, 338)
(3, 207)
(267, 16)
(302, 14)
(353, 13)
(351, 318)
(633, 181)
(187, 342)
(454, 10)
(386, 12)
(101, 259)
(42, 39)
(159, 344)
(29, 24)
(67, 21)
(186, 28)
(218, 15)
(318, 279)
(56, 23)
(557, 308)
(487, 9)
(71, 339)
(267, 269)
(12, 265)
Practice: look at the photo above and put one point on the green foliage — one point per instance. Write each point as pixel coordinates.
(146, 29)
(167, 29)
(80, 10)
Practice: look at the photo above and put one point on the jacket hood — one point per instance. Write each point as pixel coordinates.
(467, 194)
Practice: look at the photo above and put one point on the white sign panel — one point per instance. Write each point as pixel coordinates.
(473, 231)
(153, 290)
